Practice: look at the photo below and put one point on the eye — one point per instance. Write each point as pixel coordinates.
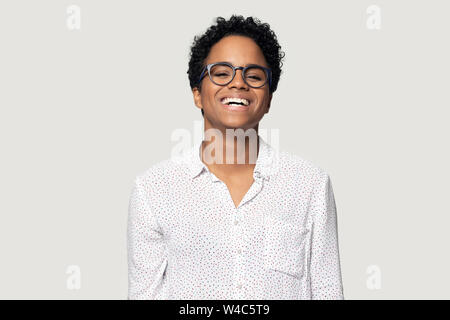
(254, 77)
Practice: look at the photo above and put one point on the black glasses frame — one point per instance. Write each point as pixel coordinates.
(209, 66)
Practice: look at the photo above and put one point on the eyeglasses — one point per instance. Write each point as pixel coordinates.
(222, 73)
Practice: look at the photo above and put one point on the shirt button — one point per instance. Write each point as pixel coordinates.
(239, 286)
(239, 251)
(236, 222)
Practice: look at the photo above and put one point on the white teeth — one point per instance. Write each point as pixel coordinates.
(228, 100)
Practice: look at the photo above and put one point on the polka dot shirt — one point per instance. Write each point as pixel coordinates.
(187, 240)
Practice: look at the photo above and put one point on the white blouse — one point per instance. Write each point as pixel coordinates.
(187, 240)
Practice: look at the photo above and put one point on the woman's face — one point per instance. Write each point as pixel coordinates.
(239, 51)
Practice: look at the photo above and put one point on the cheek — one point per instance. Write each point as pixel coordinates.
(264, 101)
(208, 96)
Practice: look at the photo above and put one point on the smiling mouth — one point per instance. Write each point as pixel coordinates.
(235, 101)
(235, 104)
(235, 107)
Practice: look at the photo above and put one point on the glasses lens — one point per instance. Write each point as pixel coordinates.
(221, 74)
(255, 76)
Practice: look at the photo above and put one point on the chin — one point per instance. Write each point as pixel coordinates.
(237, 124)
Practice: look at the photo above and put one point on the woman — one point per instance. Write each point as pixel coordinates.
(215, 223)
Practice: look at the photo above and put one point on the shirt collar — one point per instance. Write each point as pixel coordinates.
(266, 162)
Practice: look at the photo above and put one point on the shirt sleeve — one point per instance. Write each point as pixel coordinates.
(146, 248)
(326, 279)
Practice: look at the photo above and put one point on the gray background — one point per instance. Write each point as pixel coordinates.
(84, 111)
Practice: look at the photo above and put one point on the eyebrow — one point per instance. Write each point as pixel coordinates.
(243, 65)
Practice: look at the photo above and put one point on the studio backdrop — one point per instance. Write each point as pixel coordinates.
(93, 93)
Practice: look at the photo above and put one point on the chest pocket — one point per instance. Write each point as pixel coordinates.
(284, 247)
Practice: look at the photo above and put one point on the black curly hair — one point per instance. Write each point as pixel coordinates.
(236, 25)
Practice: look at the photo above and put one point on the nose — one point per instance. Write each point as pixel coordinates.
(238, 81)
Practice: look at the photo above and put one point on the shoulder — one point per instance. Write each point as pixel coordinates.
(299, 167)
(163, 175)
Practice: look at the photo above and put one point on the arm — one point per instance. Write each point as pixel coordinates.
(326, 280)
(146, 248)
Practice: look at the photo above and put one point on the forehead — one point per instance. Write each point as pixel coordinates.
(238, 50)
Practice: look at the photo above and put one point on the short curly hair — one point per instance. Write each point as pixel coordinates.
(250, 27)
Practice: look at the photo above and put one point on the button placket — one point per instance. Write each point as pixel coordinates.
(238, 262)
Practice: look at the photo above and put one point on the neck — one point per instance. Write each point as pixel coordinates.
(229, 152)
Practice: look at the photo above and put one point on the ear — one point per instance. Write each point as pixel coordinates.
(270, 101)
(197, 97)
